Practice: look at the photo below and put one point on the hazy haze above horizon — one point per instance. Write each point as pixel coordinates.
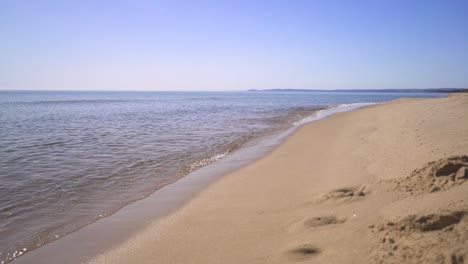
(216, 45)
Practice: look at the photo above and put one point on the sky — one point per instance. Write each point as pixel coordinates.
(232, 45)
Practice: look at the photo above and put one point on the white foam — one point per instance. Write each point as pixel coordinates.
(207, 161)
(329, 111)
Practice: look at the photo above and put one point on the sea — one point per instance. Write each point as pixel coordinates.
(69, 158)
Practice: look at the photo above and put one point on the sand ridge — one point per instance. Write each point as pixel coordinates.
(436, 175)
(441, 237)
(437, 236)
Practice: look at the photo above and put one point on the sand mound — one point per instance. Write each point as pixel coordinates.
(435, 176)
(323, 220)
(433, 238)
(345, 194)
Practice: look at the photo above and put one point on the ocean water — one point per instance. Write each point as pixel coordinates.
(70, 158)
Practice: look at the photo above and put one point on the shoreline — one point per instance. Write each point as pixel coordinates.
(123, 248)
(134, 217)
(328, 194)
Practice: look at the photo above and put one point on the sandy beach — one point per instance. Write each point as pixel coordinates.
(381, 184)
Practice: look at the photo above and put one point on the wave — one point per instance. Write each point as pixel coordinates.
(329, 111)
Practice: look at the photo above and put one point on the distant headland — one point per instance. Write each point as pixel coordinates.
(426, 90)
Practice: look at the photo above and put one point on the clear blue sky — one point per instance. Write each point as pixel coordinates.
(232, 45)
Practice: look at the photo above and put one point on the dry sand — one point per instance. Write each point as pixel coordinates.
(357, 187)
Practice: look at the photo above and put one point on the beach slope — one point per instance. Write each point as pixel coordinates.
(381, 184)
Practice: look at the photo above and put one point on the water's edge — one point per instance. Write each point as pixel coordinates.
(108, 232)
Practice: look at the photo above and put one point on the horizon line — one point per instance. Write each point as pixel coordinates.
(247, 90)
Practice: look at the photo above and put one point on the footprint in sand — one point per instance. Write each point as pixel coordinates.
(315, 222)
(344, 194)
(302, 252)
(323, 221)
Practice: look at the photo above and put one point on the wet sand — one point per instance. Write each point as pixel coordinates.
(381, 184)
